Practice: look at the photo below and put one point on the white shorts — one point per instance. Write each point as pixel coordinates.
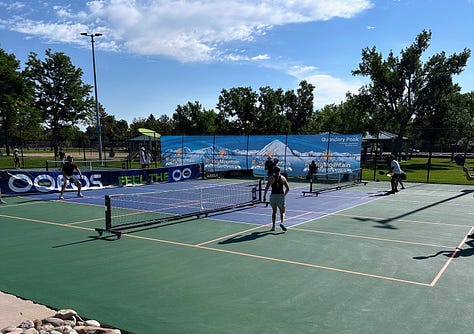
(73, 179)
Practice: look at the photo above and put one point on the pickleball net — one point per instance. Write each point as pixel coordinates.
(322, 182)
(138, 210)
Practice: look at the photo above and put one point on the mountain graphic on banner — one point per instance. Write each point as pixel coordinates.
(294, 154)
(275, 149)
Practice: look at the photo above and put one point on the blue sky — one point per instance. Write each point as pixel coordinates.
(157, 54)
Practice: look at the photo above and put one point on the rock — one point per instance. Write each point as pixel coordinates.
(64, 322)
(30, 331)
(96, 330)
(54, 321)
(92, 323)
(66, 314)
(55, 332)
(37, 323)
(27, 324)
(12, 330)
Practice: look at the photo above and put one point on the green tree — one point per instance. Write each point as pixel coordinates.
(184, 119)
(136, 124)
(91, 131)
(463, 120)
(329, 118)
(347, 117)
(223, 125)
(299, 107)
(239, 106)
(113, 131)
(193, 119)
(164, 125)
(452, 125)
(16, 113)
(59, 93)
(358, 115)
(404, 87)
(271, 118)
(440, 100)
(151, 123)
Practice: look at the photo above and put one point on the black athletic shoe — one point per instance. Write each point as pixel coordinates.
(470, 236)
(283, 227)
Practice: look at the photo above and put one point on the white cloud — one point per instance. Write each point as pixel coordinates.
(186, 30)
(261, 57)
(15, 5)
(301, 71)
(52, 32)
(328, 89)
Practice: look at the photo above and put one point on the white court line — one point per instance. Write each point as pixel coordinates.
(303, 264)
(335, 212)
(70, 225)
(375, 219)
(372, 238)
(445, 267)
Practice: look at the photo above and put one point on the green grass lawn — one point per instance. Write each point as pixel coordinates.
(442, 170)
(35, 162)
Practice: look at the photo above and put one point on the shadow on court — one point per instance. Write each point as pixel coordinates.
(387, 223)
(466, 252)
(249, 237)
(91, 238)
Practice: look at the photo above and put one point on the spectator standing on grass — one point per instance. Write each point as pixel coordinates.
(16, 158)
(148, 159)
(279, 190)
(68, 174)
(143, 157)
(61, 154)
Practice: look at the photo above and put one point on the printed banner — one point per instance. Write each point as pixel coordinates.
(21, 182)
(332, 153)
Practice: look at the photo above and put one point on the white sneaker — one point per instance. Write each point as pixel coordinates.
(61, 197)
(80, 195)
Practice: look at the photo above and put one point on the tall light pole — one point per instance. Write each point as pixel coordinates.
(97, 116)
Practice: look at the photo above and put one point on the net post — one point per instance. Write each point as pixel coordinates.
(311, 185)
(200, 199)
(260, 190)
(108, 213)
(201, 168)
